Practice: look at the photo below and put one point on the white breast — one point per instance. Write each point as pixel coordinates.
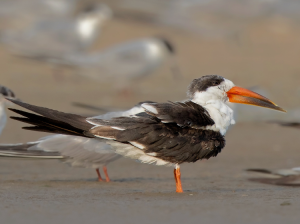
(221, 114)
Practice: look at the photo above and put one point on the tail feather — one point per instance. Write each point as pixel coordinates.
(52, 121)
(23, 151)
(40, 128)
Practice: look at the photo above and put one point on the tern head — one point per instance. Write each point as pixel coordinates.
(91, 19)
(215, 87)
(96, 12)
(171, 51)
(168, 45)
(6, 92)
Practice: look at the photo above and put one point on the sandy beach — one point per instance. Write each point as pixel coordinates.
(264, 53)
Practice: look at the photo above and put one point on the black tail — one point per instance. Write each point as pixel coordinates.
(23, 151)
(52, 121)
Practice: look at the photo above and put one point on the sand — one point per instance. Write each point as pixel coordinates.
(216, 191)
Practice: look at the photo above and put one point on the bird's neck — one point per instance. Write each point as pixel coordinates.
(220, 112)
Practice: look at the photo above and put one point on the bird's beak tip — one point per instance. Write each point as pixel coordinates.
(245, 96)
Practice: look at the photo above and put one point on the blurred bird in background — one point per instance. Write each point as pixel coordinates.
(4, 92)
(293, 124)
(51, 40)
(74, 150)
(125, 61)
(283, 177)
(21, 14)
(197, 16)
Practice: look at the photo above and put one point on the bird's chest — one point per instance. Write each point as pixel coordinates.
(222, 116)
(191, 145)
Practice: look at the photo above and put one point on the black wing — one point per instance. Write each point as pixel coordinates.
(163, 134)
(184, 114)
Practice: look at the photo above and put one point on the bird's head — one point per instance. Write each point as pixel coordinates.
(96, 12)
(91, 20)
(6, 92)
(215, 87)
(169, 46)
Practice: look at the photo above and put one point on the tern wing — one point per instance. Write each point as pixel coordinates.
(184, 114)
(75, 150)
(80, 151)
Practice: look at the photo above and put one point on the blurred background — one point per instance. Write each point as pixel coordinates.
(112, 54)
(253, 43)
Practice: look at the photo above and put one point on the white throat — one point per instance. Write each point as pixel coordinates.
(214, 101)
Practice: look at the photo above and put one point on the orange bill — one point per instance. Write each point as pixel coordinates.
(245, 96)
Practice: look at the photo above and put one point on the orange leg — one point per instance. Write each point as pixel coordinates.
(106, 174)
(177, 179)
(99, 175)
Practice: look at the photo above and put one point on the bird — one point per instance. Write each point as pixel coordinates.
(282, 177)
(74, 150)
(134, 59)
(4, 92)
(164, 134)
(21, 14)
(50, 40)
(292, 124)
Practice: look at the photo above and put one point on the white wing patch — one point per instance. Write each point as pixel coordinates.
(93, 123)
(138, 145)
(133, 152)
(150, 108)
(152, 154)
(127, 113)
(117, 128)
(105, 137)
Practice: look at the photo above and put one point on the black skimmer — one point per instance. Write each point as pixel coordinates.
(164, 133)
(4, 92)
(282, 177)
(74, 150)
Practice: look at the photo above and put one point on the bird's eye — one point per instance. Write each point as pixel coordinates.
(215, 83)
